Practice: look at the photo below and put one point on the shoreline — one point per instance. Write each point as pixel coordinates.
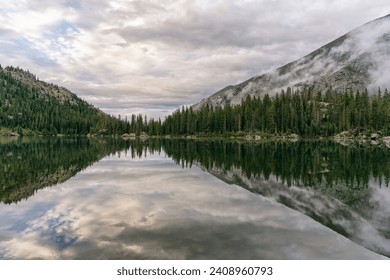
(344, 138)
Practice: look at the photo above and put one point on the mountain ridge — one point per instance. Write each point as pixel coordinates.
(353, 61)
(44, 88)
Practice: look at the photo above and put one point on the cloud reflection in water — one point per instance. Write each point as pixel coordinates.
(150, 208)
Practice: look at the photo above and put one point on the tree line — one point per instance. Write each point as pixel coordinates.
(306, 113)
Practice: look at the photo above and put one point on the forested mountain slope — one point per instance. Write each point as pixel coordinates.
(31, 106)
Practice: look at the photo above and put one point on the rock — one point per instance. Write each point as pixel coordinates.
(386, 141)
(344, 135)
(143, 135)
(293, 137)
(128, 136)
(374, 136)
(257, 137)
(10, 134)
(100, 132)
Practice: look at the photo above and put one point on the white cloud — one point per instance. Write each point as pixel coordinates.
(146, 52)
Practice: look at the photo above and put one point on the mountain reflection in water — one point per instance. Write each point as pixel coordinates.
(343, 188)
(137, 204)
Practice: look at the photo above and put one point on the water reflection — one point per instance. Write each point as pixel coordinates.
(343, 188)
(30, 164)
(139, 204)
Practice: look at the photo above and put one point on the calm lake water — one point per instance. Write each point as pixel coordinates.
(85, 198)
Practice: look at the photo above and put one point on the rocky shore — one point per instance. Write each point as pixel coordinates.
(353, 136)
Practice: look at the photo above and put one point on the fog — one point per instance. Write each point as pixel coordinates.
(356, 61)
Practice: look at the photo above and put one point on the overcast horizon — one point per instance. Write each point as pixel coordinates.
(152, 57)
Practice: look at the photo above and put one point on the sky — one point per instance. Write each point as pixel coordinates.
(152, 57)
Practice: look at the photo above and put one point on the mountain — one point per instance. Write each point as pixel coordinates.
(31, 106)
(43, 89)
(355, 61)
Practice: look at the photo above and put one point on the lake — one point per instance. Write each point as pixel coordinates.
(81, 198)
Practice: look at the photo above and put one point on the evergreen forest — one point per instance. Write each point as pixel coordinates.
(305, 113)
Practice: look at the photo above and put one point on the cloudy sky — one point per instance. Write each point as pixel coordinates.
(153, 56)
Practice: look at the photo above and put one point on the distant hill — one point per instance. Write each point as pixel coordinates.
(31, 106)
(355, 61)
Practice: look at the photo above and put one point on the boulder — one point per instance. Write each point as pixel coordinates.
(374, 136)
(386, 141)
(143, 135)
(10, 134)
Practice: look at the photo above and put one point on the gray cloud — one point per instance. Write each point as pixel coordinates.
(194, 29)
